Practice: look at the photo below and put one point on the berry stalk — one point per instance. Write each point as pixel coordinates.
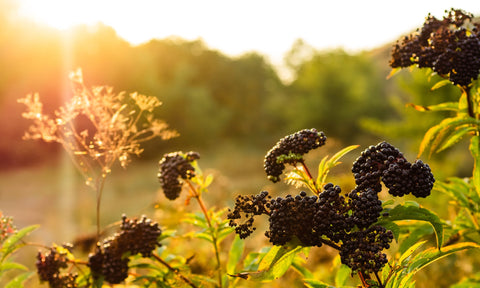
(199, 199)
(176, 271)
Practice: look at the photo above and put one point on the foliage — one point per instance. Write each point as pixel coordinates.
(11, 241)
(139, 254)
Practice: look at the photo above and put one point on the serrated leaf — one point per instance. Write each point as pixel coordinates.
(455, 137)
(412, 211)
(10, 243)
(435, 136)
(235, 254)
(431, 255)
(409, 252)
(440, 84)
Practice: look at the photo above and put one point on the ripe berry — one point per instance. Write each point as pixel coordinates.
(173, 167)
(290, 150)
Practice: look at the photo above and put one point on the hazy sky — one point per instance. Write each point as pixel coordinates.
(234, 27)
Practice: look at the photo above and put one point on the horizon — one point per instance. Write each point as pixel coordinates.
(271, 28)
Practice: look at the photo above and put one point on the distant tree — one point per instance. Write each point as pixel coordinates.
(334, 90)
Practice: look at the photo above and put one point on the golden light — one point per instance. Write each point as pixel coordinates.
(59, 14)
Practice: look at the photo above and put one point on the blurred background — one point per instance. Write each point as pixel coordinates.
(234, 77)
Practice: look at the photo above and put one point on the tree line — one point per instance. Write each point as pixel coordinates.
(208, 97)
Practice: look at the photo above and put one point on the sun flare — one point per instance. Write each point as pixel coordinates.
(59, 14)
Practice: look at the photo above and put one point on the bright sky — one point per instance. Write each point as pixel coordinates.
(234, 27)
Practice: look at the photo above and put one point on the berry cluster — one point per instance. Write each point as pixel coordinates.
(174, 166)
(293, 217)
(290, 150)
(451, 47)
(345, 222)
(362, 250)
(250, 205)
(332, 218)
(135, 237)
(384, 163)
(48, 269)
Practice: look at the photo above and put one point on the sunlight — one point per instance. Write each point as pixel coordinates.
(47, 12)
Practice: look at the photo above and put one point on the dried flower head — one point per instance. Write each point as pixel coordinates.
(96, 126)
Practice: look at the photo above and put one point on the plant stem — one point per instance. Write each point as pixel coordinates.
(379, 281)
(197, 196)
(362, 278)
(185, 279)
(310, 177)
(99, 187)
(330, 243)
(471, 113)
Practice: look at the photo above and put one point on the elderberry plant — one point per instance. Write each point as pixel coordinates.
(450, 47)
(356, 223)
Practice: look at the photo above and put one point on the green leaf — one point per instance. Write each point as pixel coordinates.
(409, 252)
(412, 211)
(313, 283)
(325, 165)
(17, 282)
(393, 72)
(204, 236)
(415, 235)
(475, 150)
(342, 275)
(455, 137)
(197, 220)
(208, 180)
(223, 232)
(299, 266)
(456, 188)
(446, 106)
(10, 244)
(275, 263)
(440, 84)
(431, 255)
(12, 265)
(235, 254)
(437, 134)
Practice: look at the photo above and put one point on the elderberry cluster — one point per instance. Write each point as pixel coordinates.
(48, 269)
(290, 150)
(136, 237)
(385, 163)
(451, 47)
(174, 166)
(362, 250)
(345, 222)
